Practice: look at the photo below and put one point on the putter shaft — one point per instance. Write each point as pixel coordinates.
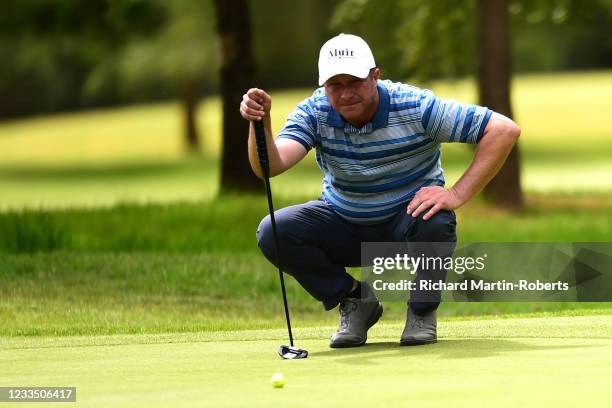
(262, 152)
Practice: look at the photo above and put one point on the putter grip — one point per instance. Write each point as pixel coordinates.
(262, 150)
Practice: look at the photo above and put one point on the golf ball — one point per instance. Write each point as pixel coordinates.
(277, 380)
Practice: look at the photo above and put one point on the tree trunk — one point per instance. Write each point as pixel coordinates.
(237, 71)
(494, 75)
(189, 101)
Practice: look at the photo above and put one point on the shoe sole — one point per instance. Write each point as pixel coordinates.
(417, 342)
(371, 322)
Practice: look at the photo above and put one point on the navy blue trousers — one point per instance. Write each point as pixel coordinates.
(316, 245)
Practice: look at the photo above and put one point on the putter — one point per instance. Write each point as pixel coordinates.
(287, 352)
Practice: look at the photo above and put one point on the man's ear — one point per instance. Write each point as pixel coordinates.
(376, 73)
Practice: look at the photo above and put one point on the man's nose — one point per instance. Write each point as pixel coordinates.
(346, 94)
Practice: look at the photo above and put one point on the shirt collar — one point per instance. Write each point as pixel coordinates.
(380, 117)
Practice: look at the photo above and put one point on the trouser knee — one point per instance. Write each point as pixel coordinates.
(265, 240)
(441, 227)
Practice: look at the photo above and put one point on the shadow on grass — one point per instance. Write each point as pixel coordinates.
(449, 349)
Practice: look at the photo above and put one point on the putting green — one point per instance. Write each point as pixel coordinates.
(546, 361)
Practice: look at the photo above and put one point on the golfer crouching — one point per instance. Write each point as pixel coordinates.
(378, 145)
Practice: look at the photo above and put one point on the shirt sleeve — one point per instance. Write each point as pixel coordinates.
(449, 121)
(301, 125)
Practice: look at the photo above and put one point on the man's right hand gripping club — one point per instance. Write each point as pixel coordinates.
(283, 154)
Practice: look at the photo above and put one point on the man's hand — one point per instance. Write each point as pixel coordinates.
(282, 154)
(256, 104)
(435, 198)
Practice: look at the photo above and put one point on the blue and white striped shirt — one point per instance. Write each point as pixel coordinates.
(372, 172)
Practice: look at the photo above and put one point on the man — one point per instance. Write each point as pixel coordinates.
(378, 145)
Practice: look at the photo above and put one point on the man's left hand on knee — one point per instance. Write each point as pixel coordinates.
(435, 199)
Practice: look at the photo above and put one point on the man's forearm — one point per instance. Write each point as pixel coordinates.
(273, 154)
(490, 155)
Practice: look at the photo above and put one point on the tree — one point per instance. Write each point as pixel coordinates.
(494, 73)
(441, 38)
(47, 50)
(181, 56)
(236, 76)
(449, 38)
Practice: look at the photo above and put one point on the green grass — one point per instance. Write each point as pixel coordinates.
(556, 361)
(228, 225)
(67, 294)
(189, 267)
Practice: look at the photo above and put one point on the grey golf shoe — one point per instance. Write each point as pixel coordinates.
(419, 329)
(356, 317)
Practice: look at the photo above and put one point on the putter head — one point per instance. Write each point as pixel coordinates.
(291, 353)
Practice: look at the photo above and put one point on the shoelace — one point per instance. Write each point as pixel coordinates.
(347, 306)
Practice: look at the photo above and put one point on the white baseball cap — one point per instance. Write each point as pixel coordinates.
(345, 54)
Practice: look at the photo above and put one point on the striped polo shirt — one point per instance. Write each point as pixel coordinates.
(370, 173)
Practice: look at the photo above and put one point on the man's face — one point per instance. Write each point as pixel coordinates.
(354, 98)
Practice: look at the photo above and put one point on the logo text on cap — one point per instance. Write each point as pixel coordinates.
(341, 53)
